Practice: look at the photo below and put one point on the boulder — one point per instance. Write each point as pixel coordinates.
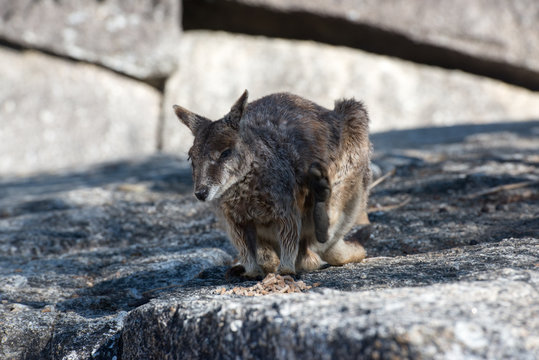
(497, 38)
(120, 260)
(403, 322)
(58, 113)
(216, 67)
(138, 38)
(78, 250)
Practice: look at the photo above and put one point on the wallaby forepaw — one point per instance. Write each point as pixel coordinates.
(286, 271)
(235, 271)
(238, 272)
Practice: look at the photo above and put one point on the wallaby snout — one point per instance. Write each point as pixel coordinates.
(201, 193)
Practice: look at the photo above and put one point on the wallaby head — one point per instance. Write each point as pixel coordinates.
(216, 156)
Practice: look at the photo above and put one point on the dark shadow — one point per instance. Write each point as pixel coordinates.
(165, 173)
(257, 19)
(451, 209)
(455, 185)
(138, 288)
(423, 137)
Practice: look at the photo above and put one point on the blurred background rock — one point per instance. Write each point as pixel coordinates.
(84, 82)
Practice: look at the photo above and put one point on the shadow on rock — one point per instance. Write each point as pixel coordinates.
(164, 173)
(424, 137)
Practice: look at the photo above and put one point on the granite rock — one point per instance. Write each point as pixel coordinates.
(492, 38)
(58, 113)
(120, 260)
(407, 322)
(138, 38)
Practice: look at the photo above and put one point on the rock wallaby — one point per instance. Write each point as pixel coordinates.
(289, 177)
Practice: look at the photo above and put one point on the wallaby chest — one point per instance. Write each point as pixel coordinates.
(247, 201)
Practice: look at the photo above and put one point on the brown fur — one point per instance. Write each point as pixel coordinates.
(256, 164)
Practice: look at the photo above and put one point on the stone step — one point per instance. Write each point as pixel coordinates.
(57, 113)
(138, 38)
(497, 39)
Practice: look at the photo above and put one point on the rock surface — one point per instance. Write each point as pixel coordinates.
(58, 113)
(138, 38)
(398, 94)
(119, 260)
(493, 38)
(404, 322)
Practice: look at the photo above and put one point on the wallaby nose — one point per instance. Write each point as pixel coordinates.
(202, 193)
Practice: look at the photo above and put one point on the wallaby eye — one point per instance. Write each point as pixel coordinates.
(225, 154)
(190, 160)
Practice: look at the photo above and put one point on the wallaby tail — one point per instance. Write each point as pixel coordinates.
(355, 118)
(355, 144)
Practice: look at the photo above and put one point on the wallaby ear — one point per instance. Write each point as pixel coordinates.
(193, 121)
(236, 111)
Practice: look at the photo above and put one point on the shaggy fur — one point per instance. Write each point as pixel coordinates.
(289, 177)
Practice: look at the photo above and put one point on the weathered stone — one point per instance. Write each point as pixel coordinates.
(397, 94)
(406, 322)
(120, 260)
(493, 38)
(79, 250)
(57, 113)
(138, 38)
